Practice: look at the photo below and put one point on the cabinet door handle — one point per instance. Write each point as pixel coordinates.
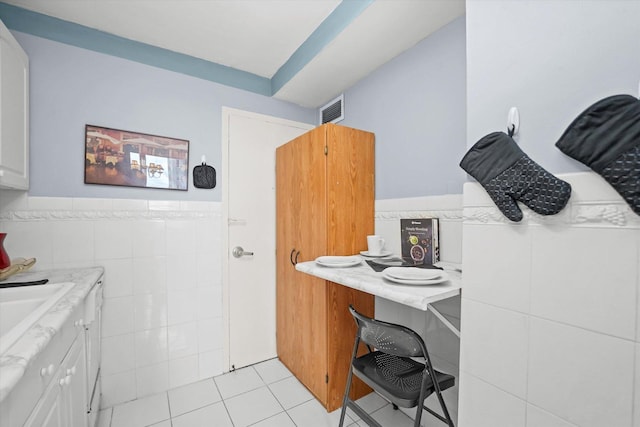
(47, 371)
(296, 260)
(291, 256)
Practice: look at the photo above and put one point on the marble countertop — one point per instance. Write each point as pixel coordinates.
(364, 278)
(15, 361)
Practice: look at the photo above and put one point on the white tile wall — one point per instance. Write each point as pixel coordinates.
(495, 349)
(599, 293)
(537, 417)
(162, 313)
(485, 405)
(120, 273)
(581, 376)
(118, 387)
(150, 311)
(183, 371)
(152, 379)
(19, 241)
(550, 312)
(118, 354)
(447, 208)
(499, 270)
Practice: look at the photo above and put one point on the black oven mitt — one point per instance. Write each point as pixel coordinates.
(509, 175)
(606, 137)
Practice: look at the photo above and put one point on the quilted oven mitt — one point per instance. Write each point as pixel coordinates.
(606, 137)
(509, 175)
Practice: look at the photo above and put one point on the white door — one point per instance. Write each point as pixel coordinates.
(249, 144)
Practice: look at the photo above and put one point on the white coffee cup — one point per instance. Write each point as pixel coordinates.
(375, 244)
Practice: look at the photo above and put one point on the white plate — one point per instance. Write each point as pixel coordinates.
(338, 261)
(380, 255)
(442, 277)
(414, 282)
(413, 273)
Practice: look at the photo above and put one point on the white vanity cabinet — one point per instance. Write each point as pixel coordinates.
(60, 359)
(47, 390)
(64, 403)
(14, 113)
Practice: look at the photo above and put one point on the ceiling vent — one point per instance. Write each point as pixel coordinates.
(333, 112)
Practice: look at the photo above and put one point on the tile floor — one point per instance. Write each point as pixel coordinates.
(262, 395)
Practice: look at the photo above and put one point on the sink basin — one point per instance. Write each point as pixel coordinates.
(21, 307)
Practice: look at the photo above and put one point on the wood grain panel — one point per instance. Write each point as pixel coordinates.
(350, 189)
(312, 218)
(302, 331)
(341, 335)
(325, 206)
(287, 201)
(350, 202)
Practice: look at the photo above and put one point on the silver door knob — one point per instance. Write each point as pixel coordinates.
(238, 252)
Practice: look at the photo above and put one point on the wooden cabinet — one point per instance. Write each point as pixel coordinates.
(14, 113)
(324, 206)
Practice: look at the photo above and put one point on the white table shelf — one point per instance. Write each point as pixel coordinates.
(364, 278)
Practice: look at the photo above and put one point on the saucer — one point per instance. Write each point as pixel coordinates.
(380, 255)
(414, 276)
(338, 261)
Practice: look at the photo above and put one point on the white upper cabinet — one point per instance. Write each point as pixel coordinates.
(14, 113)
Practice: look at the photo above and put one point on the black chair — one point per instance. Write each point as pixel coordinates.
(391, 371)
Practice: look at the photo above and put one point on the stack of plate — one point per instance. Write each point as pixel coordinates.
(338, 261)
(414, 276)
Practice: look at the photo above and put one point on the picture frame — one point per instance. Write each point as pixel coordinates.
(135, 159)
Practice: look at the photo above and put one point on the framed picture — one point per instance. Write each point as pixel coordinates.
(133, 159)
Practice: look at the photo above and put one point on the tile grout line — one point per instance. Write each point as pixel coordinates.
(222, 399)
(353, 423)
(169, 408)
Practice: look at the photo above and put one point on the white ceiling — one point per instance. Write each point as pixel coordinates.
(259, 36)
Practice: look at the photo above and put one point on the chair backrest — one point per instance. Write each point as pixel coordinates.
(389, 337)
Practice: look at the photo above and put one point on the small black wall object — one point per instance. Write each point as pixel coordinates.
(204, 176)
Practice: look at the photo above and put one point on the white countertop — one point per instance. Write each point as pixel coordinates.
(364, 278)
(15, 361)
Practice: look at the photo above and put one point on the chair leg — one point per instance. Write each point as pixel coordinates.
(444, 409)
(416, 422)
(446, 418)
(345, 399)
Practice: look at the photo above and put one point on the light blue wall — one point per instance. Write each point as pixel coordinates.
(71, 87)
(551, 59)
(416, 106)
